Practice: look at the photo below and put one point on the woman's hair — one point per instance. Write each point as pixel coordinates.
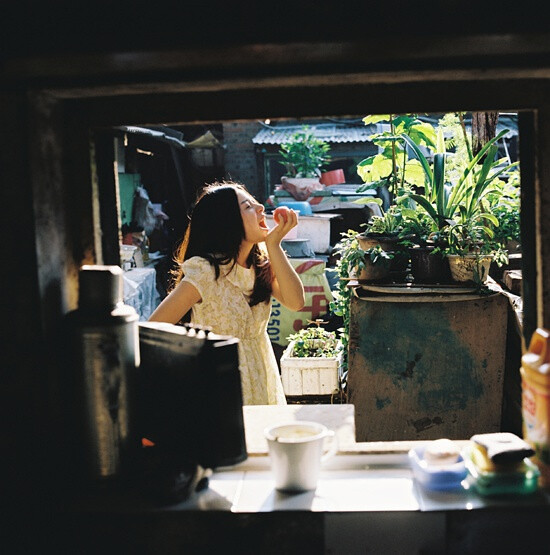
(216, 231)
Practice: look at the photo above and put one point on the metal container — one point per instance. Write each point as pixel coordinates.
(104, 349)
(426, 366)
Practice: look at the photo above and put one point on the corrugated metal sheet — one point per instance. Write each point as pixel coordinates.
(341, 133)
(332, 133)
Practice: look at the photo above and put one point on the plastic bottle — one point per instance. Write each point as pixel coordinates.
(104, 353)
(535, 401)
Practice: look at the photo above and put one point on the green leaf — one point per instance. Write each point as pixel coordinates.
(423, 133)
(366, 162)
(480, 155)
(368, 120)
(421, 158)
(414, 173)
(368, 200)
(438, 190)
(491, 217)
(481, 178)
(427, 206)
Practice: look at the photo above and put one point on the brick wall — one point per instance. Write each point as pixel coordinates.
(240, 157)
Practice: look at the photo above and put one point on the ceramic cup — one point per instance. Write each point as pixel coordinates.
(296, 453)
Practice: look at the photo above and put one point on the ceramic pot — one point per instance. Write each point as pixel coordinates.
(463, 267)
(427, 267)
(386, 242)
(399, 265)
(375, 272)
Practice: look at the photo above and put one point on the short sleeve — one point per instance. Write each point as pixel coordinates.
(200, 273)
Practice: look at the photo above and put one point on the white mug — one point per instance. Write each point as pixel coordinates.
(296, 453)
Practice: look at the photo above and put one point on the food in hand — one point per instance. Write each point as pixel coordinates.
(281, 213)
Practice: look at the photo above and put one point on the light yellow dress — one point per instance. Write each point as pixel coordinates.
(224, 308)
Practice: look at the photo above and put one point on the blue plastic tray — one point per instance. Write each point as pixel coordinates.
(437, 478)
(303, 208)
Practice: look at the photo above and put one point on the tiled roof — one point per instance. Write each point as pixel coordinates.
(332, 133)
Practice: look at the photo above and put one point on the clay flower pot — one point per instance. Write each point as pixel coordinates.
(374, 271)
(387, 242)
(465, 266)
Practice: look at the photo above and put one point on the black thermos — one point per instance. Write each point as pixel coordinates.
(104, 354)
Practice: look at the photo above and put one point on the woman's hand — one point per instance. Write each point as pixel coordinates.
(287, 287)
(286, 219)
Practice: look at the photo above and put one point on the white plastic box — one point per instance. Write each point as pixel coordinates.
(316, 228)
(309, 375)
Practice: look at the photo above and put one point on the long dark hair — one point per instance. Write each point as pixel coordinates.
(216, 231)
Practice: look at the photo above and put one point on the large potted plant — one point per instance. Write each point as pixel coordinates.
(364, 261)
(470, 251)
(461, 209)
(382, 230)
(385, 233)
(311, 364)
(304, 156)
(424, 243)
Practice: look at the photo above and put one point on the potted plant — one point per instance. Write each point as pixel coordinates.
(364, 261)
(304, 155)
(351, 261)
(385, 233)
(470, 251)
(424, 243)
(506, 208)
(442, 202)
(311, 364)
(465, 200)
(376, 264)
(382, 230)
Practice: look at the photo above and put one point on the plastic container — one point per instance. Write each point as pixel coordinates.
(434, 477)
(303, 208)
(297, 248)
(522, 480)
(535, 400)
(333, 177)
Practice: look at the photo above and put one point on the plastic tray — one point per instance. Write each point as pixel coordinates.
(437, 478)
(521, 481)
(303, 208)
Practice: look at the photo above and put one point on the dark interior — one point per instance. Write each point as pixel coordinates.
(71, 72)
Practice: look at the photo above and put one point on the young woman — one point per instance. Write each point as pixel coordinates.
(226, 277)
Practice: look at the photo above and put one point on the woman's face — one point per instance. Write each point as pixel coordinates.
(252, 213)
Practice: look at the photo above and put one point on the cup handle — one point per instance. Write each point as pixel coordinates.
(333, 449)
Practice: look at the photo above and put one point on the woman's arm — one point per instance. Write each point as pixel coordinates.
(287, 287)
(176, 305)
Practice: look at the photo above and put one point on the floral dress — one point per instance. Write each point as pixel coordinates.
(224, 308)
